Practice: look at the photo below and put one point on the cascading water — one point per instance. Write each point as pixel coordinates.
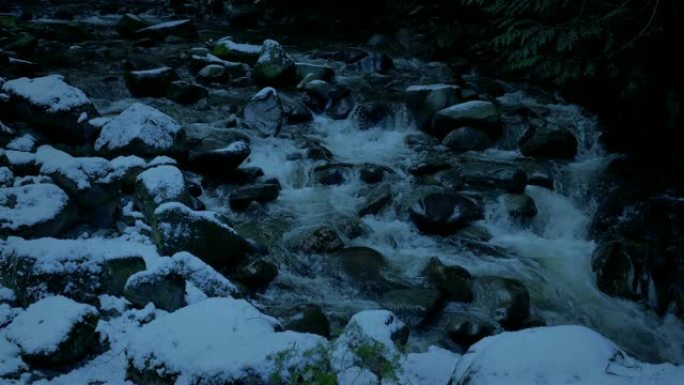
(551, 255)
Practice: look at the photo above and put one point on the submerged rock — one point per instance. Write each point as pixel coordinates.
(444, 213)
(159, 185)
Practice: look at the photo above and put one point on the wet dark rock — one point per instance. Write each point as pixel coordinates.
(295, 110)
(307, 319)
(241, 197)
(425, 101)
(330, 174)
(340, 103)
(444, 213)
(485, 85)
(508, 179)
(374, 199)
(375, 62)
(218, 160)
(467, 139)
(165, 289)
(616, 275)
(185, 29)
(315, 72)
(206, 235)
(213, 73)
(274, 66)
(371, 174)
(322, 239)
(541, 179)
(117, 272)
(519, 206)
(466, 328)
(429, 167)
(453, 282)
(153, 82)
(129, 24)
(478, 114)
(264, 112)
(505, 299)
(257, 274)
(370, 114)
(414, 306)
(183, 92)
(548, 142)
(365, 267)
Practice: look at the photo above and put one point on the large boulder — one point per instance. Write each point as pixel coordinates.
(465, 139)
(183, 92)
(424, 101)
(35, 210)
(548, 142)
(174, 347)
(58, 109)
(556, 355)
(217, 159)
(204, 234)
(79, 269)
(477, 113)
(226, 48)
(274, 66)
(453, 282)
(264, 112)
(444, 213)
(415, 306)
(511, 180)
(141, 130)
(54, 331)
(161, 286)
(366, 268)
(153, 82)
(158, 185)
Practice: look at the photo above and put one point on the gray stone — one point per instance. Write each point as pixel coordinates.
(444, 213)
(467, 139)
(479, 114)
(264, 112)
(274, 66)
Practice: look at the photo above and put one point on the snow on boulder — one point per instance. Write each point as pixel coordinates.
(180, 28)
(79, 269)
(54, 331)
(162, 286)
(141, 130)
(35, 210)
(433, 367)
(159, 185)
(11, 364)
(49, 103)
(20, 162)
(204, 234)
(219, 341)
(556, 355)
(203, 276)
(25, 142)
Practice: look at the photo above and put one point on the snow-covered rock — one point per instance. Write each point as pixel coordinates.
(11, 364)
(204, 234)
(274, 66)
(226, 48)
(35, 210)
(25, 142)
(141, 130)
(54, 331)
(433, 367)
(79, 269)
(180, 28)
(20, 162)
(218, 340)
(556, 355)
(6, 177)
(161, 286)
(203, 276)
(48, 102)
(159, 185)
(264, 112)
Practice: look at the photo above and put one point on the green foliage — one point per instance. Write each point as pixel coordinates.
(315, 371)
(372, 356)
(563, 40)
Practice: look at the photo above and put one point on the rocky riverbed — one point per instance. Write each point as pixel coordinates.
(192, 199)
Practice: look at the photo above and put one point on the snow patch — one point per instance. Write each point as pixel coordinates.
(49, 92)
(30, 205)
